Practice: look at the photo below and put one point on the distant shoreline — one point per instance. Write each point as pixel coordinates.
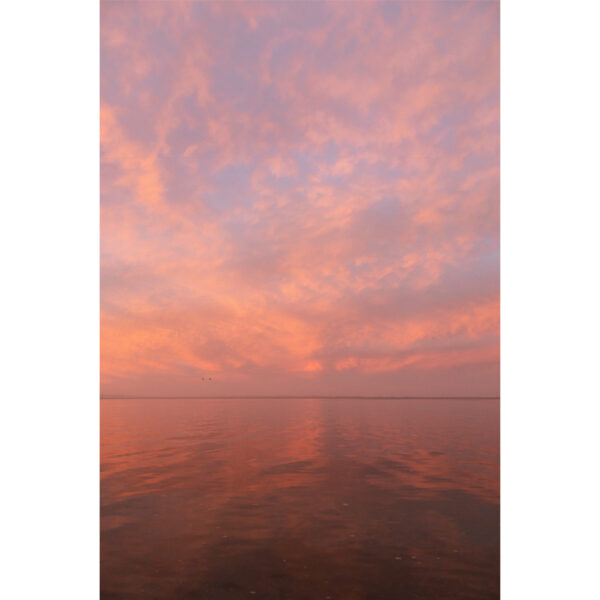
(307, 397)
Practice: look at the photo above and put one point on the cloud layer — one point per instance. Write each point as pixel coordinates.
(300, 198)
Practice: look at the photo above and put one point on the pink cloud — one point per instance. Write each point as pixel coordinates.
(301, 199)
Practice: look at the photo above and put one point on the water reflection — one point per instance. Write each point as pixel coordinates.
(299, 499)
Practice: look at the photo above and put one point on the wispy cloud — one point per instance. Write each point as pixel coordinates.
(300, 201)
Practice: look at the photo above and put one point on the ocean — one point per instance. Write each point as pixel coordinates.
(300, 498)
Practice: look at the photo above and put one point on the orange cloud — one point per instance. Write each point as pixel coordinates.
(300, 202)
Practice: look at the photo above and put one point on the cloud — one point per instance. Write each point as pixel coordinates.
(305, 198)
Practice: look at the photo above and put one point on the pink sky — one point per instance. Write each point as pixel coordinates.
(300, 198)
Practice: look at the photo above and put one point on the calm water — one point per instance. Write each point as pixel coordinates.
(301, 499)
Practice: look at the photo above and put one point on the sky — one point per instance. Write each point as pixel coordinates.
(300, 198)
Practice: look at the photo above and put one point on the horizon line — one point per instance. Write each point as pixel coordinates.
(292, 397)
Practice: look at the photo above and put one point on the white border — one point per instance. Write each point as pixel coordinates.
(550, 301)
(49, 219)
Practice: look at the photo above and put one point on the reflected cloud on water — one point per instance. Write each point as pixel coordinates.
(300, 498)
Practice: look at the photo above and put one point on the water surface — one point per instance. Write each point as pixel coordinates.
(299, 498)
